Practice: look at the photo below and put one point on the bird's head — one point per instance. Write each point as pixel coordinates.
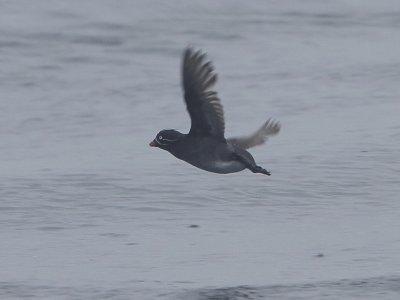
(165, 138)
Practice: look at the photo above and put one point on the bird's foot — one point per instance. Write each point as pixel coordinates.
(258, 169)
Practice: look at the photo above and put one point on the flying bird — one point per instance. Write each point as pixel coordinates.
(205, 146)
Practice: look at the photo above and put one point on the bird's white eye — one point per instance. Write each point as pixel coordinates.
(160, 137)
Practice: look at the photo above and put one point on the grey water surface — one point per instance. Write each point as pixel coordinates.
(89, 211)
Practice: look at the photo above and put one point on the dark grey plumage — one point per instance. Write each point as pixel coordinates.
(205, 145)
(202, 103)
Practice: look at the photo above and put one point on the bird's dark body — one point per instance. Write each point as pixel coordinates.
(205, 146)
(210, 154)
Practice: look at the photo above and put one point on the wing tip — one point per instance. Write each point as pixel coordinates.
(188, 50)
(191, 54)
(197, 68)
(272, 125)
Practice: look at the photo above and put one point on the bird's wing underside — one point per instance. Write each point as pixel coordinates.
(269, 128)
(202, 102)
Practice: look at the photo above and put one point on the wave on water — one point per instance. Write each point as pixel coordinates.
(368, 288)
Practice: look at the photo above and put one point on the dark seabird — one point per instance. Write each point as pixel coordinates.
(205, 146)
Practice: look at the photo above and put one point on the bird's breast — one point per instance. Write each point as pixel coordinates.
(209, 155)
(222, 167)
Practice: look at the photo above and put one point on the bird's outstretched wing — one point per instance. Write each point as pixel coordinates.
(203, 104)
(269, 128)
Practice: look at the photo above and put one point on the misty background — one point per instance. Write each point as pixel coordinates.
(89, 211)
